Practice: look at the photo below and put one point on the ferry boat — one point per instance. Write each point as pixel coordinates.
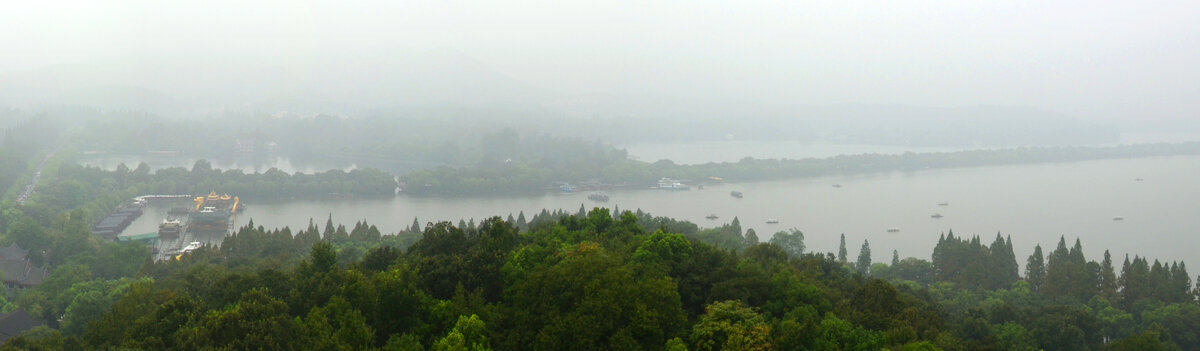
(1118, 218)
(772, 221)
(837, 185)
(190, 247)
(893, 230)
(711, 216)
(736, 194)
(671, 184)
(602, 197)
(943, 203)
(936, 215)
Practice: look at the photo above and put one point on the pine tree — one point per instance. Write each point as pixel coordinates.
(521, 222)
(736, 225)
(842, 250)
(1035, 269)
(864, 259)
(1108, 279)
(895, 258)
(582, 211)
(328, 228)
(416, 226)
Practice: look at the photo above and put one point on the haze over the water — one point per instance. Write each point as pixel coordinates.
(1126, 63)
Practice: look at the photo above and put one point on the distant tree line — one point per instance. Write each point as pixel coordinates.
(538, 169)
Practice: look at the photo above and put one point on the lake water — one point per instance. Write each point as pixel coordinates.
(1035, 204)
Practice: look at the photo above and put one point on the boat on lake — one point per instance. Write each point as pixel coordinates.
(671, 184)
(736, 194)
(936, 215)
(772, 221)
(711, 216)
(1118, 218)
(893, 230)
(837, 185)
(602, 197)
(943, 203)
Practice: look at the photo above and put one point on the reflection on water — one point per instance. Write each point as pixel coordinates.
(1035, 204)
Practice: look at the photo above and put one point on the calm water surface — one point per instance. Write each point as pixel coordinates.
(1035, 204)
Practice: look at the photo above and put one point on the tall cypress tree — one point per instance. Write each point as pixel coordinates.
(1035, 269)
(1059, 280)
(1108, 279)
(328, 228)
(842, 250)
(895, 258)
(864, 259)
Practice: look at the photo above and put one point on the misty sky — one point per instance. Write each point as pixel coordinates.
(1103, 59)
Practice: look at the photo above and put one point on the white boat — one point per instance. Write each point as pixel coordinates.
(671, 184)
(190, 247)
(893, 230)
(772, 221)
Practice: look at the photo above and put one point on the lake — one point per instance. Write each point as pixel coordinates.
(1034, 203)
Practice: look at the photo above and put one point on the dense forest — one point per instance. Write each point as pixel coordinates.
(603, 281)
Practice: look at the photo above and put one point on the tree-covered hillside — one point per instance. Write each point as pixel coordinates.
(602, 281)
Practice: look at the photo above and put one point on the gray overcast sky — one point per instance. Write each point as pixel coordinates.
(1087, 58)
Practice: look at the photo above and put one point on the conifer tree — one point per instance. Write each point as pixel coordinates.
(1108, 279)
(842, 250)
(895, 257)
(328, 228)
(416, 226)
(1035, 269)
(864, 258)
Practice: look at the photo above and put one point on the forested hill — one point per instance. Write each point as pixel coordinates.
(599, 281)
